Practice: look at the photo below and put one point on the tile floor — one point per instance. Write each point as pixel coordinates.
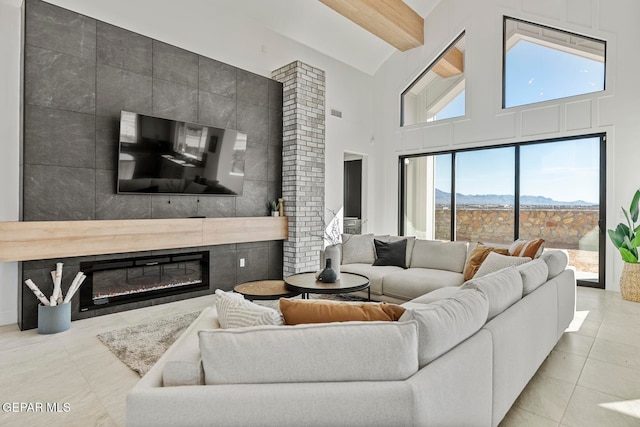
(592, 377)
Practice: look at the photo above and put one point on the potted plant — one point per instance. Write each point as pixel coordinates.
(274, 206)
(626, 237)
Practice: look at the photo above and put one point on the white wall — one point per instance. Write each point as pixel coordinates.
(10, 35)
(228, 38)
(614, 111)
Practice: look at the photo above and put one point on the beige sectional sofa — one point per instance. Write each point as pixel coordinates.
(458, 359)
(431, 265)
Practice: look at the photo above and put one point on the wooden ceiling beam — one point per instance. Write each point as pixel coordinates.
(391, 20)
(451, 64)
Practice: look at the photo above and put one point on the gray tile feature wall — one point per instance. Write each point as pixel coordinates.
(303, 164)
(79, 74)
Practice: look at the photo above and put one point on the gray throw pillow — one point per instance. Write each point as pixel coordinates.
(358, 249)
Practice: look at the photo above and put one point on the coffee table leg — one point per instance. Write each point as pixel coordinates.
(369, 293)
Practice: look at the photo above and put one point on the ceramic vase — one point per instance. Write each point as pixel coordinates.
(333, 253)
(328, 275)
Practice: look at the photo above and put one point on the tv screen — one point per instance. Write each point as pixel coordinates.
(162, 156)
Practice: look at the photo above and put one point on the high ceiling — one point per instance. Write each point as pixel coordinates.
(315, 25)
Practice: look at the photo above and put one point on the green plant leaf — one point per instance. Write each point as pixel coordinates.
(635, 242)
(623, 231)
(633, 209)
(628, 256)
(626, 215)
(616, 238)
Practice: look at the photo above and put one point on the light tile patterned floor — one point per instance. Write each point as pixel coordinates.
(592, 377)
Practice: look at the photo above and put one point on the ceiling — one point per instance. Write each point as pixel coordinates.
(317, 26)
(308, 22)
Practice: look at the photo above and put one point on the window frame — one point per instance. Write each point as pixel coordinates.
(424, 72)
(545, 27)
(516, 222)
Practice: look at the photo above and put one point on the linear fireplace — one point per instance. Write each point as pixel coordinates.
(121, 281)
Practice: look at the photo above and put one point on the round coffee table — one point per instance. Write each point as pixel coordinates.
(306, 283)
(265, 290)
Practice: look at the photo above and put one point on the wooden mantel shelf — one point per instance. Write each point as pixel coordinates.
(33, 240)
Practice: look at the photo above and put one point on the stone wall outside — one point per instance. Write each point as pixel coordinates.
(562, 228)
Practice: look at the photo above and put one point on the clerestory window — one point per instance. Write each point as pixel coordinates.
(543, 63)
(439, 92)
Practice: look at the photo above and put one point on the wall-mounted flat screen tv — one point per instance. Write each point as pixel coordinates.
(163, 156)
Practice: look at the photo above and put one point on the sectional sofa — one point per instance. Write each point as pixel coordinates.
(458, 356)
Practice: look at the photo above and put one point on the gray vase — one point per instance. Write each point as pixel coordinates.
(333, 253)
(328, 275)
(52, 320)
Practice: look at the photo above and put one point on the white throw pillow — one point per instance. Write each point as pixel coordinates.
(495, 262)
(236, 312)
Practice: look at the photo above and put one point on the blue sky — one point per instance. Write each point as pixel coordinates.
(536, 73)
(564, 171)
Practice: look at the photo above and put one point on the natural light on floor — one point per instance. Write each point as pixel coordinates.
(578, 320)
(626, 407)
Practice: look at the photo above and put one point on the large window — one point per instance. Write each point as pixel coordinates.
(545, 189)
(439, 92)
(542, 63)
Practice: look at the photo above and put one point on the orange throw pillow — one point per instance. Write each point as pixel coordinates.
(477, 257)
(296, 312)
(526, 248)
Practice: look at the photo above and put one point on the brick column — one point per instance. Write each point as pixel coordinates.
(302, 164)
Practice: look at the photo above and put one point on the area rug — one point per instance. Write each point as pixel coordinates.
(140, 346)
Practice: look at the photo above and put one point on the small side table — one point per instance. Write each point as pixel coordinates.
(265, 290)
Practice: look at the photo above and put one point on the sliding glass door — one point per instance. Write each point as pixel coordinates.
(560, 202)
(544, 189)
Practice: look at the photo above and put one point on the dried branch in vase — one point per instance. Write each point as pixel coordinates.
(57, 294)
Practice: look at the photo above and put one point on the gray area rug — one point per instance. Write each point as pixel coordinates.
(140, 346)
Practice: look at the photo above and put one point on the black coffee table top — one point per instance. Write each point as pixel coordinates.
(307, 283)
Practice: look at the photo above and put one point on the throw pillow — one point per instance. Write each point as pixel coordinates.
(527, 248)
(296, 312)
(495, 262)
(477, 257)
(236, 312)
(358, 249)
(394, 254)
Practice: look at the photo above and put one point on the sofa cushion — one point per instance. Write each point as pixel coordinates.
(444, 324)
(448, 256)
(297, 311)
(358, 248)
(502, 288)
(375, 274)
(437, 295)
(391, 253)
(411, 241)
(477, 256)
(495, 262)
(413, 282)
(527, 248)
(235, 312)
(378, 351)
(533, 274)
(557, 262)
